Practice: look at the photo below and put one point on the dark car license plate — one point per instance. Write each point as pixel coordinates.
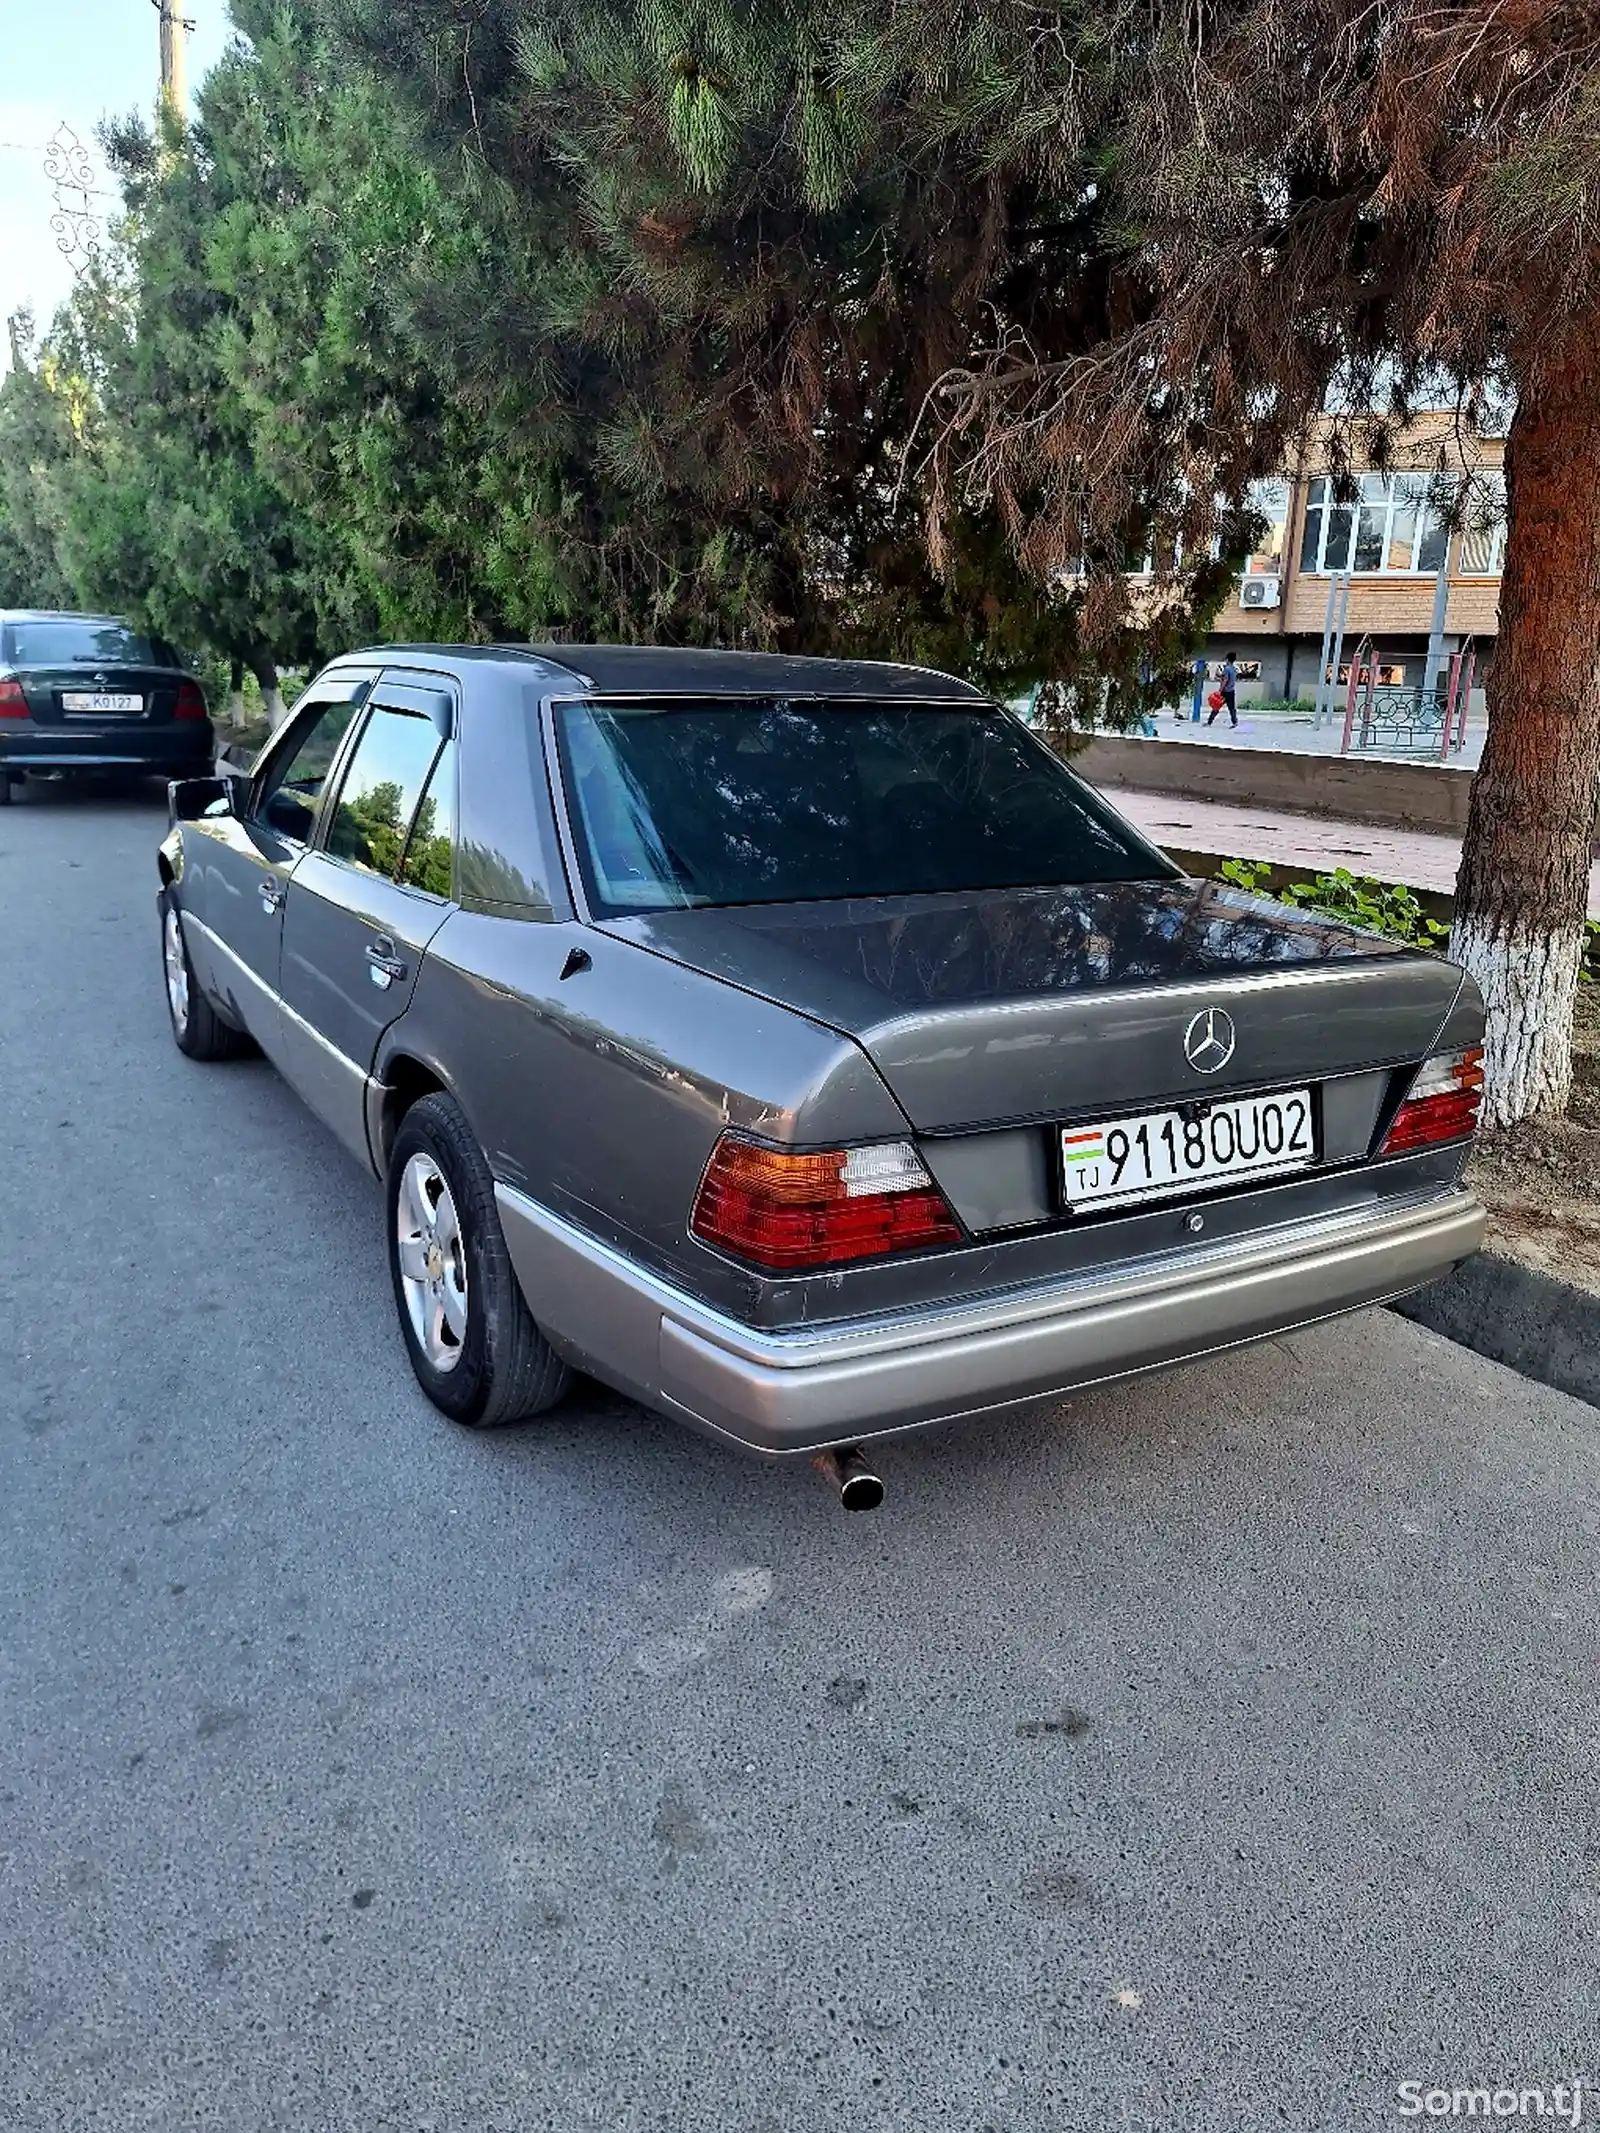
(82, 700)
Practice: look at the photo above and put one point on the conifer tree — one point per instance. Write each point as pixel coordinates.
(753, 237)
(1080, 276)
(1363, 205)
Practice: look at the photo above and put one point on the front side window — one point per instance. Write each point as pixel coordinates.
(386, 778)
(291, 785)
(777, 801)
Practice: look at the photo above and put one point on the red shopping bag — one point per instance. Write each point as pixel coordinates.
(1216, 700)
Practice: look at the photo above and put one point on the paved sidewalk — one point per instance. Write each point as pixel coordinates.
(1293, 732)
(1422, 859)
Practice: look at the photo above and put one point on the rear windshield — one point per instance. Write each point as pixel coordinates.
(67, 642)
(775, 801)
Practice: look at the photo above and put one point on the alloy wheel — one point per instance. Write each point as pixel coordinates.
(433, 1261)
(177, 969)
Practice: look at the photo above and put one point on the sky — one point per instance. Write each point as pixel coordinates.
(72, 62)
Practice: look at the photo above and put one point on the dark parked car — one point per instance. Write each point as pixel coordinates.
(801, 1047)
(88, 693)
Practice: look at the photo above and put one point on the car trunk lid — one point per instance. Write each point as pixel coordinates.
(1061, 1003)
(50, 693)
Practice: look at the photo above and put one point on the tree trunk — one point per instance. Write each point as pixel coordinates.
(266, 674)
(1522, 893)
(236, 693)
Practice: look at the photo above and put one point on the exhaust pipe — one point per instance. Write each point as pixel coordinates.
(845, 1466)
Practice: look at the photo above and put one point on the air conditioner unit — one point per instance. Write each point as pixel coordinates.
(1261, 592)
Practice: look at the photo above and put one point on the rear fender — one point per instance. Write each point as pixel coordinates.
(409, 1065)
(597, 1077)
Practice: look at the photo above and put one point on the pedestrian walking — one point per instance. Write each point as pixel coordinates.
(1226, 689)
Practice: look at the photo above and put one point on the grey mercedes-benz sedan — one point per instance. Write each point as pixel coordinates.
(800, 1047)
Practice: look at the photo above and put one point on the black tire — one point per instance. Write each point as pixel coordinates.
(5, 792)
(504, 1370)
(199, 1032)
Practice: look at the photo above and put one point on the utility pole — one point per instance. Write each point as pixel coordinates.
(174, 86)
(1332, 647)
(1441, 596)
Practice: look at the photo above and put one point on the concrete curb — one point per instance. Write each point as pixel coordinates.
(1534, 1324)
(1404, 795)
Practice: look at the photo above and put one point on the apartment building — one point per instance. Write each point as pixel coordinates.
(1391, 538)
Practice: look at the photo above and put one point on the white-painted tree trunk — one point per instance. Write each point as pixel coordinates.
(272, 699)
(1529, 983)
(1523, 889)
(236, 707)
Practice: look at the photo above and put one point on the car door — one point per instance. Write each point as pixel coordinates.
(239, 865)
(363, 905)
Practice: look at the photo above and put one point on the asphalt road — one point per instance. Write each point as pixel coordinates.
(1219, 1751)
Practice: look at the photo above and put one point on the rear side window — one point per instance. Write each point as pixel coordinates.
(64, 641)
(774, 801)
(388, 774)
(427, 861)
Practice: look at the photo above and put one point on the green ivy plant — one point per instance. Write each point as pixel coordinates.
(1385, 907)
(1249, 874)
(1378, 906)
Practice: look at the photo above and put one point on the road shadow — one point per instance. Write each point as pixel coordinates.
(92, 792)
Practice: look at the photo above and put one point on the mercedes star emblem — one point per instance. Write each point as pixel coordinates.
(1209, 1040)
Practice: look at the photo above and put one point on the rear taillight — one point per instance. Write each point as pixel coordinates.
(1442, 1104)
(787, 1211)
(13, 704)
(190, 704)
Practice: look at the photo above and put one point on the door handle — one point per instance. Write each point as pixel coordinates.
(386, 965)
(271, 894)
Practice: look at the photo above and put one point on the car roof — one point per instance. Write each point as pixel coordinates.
(59, 614)
(641, 669)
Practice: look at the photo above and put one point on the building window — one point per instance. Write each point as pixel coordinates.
(1391, 674)
(1269, 500)
(1394, 525)
(1329, 528)
(1483, 535)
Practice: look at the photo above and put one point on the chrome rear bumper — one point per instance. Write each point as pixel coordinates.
(791, 1393)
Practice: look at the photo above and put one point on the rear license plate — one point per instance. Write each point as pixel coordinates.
(1160, 1153)
(81, 700)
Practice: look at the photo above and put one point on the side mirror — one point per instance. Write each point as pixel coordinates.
(194, 799)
